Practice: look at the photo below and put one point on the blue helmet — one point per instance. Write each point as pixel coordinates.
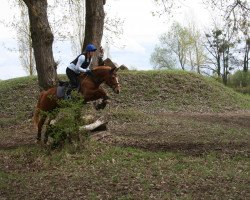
(90, 47)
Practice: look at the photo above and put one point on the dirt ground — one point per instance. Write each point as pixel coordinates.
(142, 136)
(194, 135)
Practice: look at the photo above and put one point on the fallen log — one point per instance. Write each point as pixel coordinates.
(98, 125)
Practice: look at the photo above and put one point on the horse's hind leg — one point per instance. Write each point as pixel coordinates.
(39, 127)
(46, 133)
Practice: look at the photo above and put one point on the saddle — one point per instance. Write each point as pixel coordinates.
(63, 83)
(63, 90)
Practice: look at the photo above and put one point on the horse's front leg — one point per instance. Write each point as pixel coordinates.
(95, 95)
(102, 105)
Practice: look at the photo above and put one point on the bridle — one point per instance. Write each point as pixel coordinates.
(116, 85)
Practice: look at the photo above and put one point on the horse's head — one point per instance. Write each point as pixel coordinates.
(112, 80)
(109, 77)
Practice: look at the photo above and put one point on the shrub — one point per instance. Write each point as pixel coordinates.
(67, 119)
(240, 81)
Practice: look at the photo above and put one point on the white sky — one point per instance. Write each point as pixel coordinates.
(141, 32)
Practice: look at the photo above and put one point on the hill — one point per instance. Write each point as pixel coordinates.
(171, 135)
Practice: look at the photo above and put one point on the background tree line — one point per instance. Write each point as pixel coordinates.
(220, 50)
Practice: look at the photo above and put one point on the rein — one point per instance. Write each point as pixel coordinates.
(100, 80)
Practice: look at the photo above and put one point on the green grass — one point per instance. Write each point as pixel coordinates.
(18, 97)
(145, 90)
(153, 152)
(178, 91)
(101, 171)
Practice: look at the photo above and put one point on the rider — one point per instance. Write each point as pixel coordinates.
(80, 64)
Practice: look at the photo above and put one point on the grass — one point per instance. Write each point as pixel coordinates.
(173, 135)
(101, 172)
(17, 99)
(178, 91)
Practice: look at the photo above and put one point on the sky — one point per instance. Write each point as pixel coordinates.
(140, 35)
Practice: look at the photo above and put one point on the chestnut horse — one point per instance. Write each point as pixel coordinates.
(89, 88)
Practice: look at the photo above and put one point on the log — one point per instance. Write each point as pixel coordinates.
(97, 125)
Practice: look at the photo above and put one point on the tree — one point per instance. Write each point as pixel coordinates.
(213, 47)
(112, 26)
(220, 44)
(42, 40)
(177, 44)
(167, 7)
(20, 23)
(245, 30)
(24, 41)
(77, 16)
(234, 11)
(196, 51)
(94, 24)
(246, 56)
(162, 58)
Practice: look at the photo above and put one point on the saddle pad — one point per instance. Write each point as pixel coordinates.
(60, 91)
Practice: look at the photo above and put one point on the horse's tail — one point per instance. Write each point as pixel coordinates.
(36, 115)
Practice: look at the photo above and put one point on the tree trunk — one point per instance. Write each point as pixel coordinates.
(246, 58)
(218, 65)
(94, 25)
(42, 40)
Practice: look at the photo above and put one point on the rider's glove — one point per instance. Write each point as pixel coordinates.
(88, 72)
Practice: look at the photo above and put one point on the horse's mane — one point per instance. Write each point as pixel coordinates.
(98, 69)
(101, 68)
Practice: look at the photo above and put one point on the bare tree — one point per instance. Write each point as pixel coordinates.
(77, 14)
(94, 24)
(112, 25)
(26, 53)
(234, 11)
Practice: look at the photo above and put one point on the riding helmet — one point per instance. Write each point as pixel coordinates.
(90, 47)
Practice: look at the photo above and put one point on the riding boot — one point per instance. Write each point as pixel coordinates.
(68, 93)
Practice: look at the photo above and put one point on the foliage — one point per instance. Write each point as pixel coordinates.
(233, 51)
(67, 120)
(182, 44)
(229, 48)
(240, 80)
(162, 58)
(175, 43)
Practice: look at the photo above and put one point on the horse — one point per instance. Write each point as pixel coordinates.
(89, 87)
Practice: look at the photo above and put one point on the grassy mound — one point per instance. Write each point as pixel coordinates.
(149, 91)
(177, 91)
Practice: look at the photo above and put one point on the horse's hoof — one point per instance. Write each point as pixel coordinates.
(100, 106)
(97, 106)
